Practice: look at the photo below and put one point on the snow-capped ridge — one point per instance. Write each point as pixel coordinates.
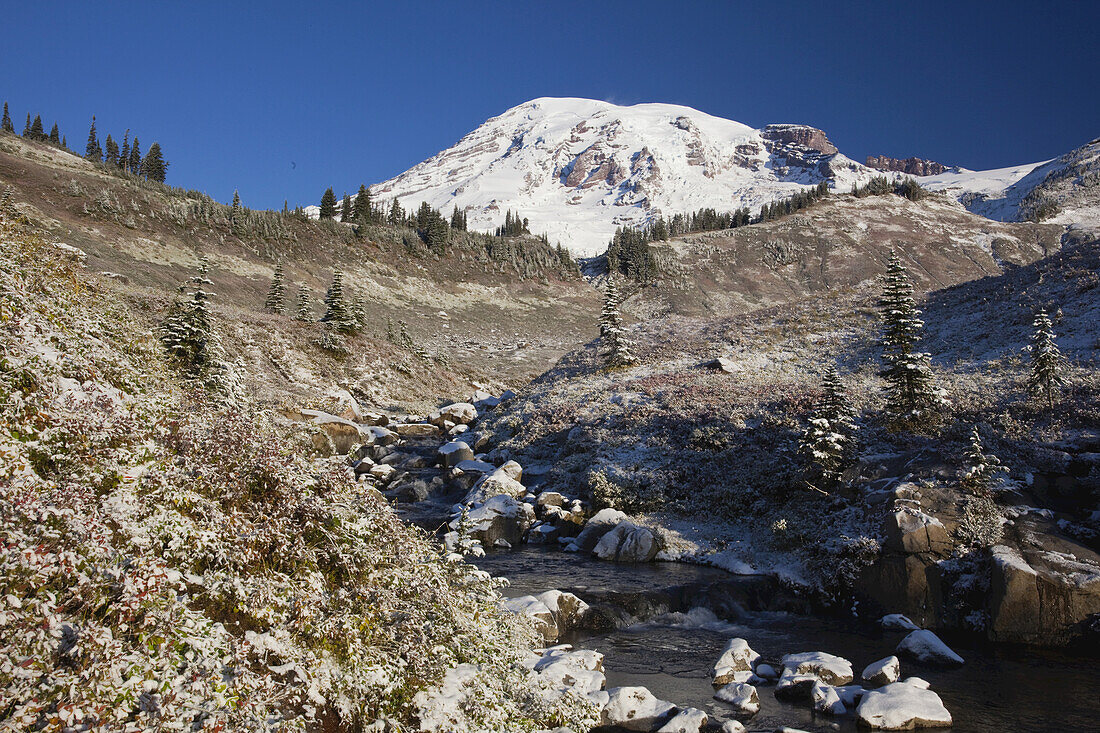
(579, 168)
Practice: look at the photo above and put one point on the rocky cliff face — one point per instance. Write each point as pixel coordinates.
(909, 166)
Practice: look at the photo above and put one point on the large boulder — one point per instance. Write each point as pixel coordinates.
(924, 646)
(636, 708)
(688, 720)
(458, 413)
(882, 672)
(900, 706)
(497, 483)
(415, 430)
(1045, 597)
(829, 668)
(536, 610)
(738, 656)
(451, 454)
(628, 542)
(912, 531)
(595, 528)
(741, 696)
(826, 700)
(344, 433)
(568, 610)
(499, 518)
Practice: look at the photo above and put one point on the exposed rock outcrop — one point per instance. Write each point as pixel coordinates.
(910, 166)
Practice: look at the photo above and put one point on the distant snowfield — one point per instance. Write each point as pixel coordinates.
(579, 168)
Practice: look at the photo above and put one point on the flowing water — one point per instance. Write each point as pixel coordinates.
(675, 620)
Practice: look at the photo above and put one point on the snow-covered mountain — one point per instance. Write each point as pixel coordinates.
(579, 168)
(1068, 188)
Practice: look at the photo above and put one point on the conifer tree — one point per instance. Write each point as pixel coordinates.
(345, 208)
(362, 207)
(1045, 380)
(124, 154)
(276, 296)
(981, 467)
(38, 132)
(134, 164)
(111, 157)
(190, 338)
(303, 311)
(153, 165)
(397, 214)
(828, 444)
(7, 209)
(27, 126)
(236, 214)
(617, 345)
(336, 306)
(328, 204)
(93, 151)
(64, 142)
(358, 312)
(5, 123)
(55, 135)
(910, 393)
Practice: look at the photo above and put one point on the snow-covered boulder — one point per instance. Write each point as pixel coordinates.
(882, 672)
(550, 498)
(537, 611)
(636, 708)
(382, 472)
(826, 699)
(898, 622)
(501, 517)
(451, 454)
(582, 658)
(732, 726)
(899, 706)
(344, 433)
(738, 656)
(829, 668)
(795, 687)
(741, 696)
(595, 528)
(917, 682)
(766, 672)
(568, 610)
(458, 413)
(688, 720)
(497, 483)
(627, 542)
(512, 470)
(924, 646)
(474, 466)
(382, 436)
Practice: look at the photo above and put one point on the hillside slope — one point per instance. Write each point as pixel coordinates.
(148, 238)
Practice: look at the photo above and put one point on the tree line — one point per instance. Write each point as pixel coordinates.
(126, 158)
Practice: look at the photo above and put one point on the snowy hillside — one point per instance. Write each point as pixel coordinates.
(1064, 190)
(579, 168)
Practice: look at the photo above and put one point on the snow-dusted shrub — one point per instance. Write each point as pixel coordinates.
(981, 523)
(172, 563)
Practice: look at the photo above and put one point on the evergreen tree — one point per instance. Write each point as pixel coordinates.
(328, 204)
(5, 123)
(303, 311)
(93, 151)
(276, 296)
(236, 214)
(910, 393)
(153, 165)
(458, 220)
(134, 163)
(362, 209)
(345, 208)
(38, 132)
(358, 312)
(336, 306)
(111, 158)
(981, 467)
(397, 214)
(55, 135)
(828, 444)
(616, 343)
(7, 207)
(64, 142)
(124, 154)
(190, 338)
(27, 126)
(1047, 361)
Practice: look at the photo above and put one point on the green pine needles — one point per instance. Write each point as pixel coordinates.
(829, 442)
(1045, 380)
(276, 296)
(910, 392)
(190, 339)
(616, 343)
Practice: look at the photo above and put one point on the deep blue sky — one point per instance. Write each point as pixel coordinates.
(281, 100)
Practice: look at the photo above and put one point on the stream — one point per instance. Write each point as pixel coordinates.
(674, 620)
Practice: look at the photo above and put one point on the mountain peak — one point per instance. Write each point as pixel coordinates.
(579, 168)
